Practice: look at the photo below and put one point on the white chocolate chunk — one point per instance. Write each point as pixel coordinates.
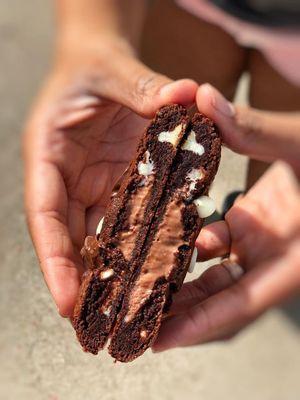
(143, 333)
(193, 260)
(106, 274)
(191, 144)
(99, 227)
(171, 136)
(146, 168)
(194, 176)
(205, 206)
(107, 311)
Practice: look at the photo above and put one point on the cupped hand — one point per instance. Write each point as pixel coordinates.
(81, 135)
(260, 239)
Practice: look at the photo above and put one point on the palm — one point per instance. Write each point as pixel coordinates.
(95, 153)
(258, 234)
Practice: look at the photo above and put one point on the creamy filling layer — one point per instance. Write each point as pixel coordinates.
(161, 258)
(137, 206)
(139, 200)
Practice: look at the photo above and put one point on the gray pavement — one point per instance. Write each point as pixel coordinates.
(39, 356)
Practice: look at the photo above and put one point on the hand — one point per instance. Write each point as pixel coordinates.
(261, 135)
(80, 137)
(261, 238)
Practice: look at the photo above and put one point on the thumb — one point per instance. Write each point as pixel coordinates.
(262, 135)
(134, 85)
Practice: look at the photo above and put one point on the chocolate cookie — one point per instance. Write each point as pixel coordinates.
(147, 240)
(110, 256)
(168, 248)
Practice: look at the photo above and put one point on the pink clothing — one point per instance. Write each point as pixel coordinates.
(281, 47)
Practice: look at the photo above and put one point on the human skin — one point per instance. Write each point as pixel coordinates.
(261, 135)
(188, 38)
(82, 133)
(260, 236)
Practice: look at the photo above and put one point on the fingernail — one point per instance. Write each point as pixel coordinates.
(234, 269)
(218, 101)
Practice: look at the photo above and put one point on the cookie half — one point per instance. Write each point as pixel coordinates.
(111, 257)
(166, 254)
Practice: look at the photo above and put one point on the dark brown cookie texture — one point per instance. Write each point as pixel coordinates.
(110, 257)
(146, 243)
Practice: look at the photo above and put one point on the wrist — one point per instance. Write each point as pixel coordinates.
(78, 39)
(85, 48)
(119, 22)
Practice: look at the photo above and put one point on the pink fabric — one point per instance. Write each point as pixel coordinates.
(281, 47)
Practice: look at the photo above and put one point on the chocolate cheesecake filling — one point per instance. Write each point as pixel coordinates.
(137, 205)
(160, 259)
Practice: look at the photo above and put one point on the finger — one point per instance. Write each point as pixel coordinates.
(235, 307)
(213, 280)
(262, 135)
(46, 209)
(141, 89)
(60, 266)
(213, 241)
(279, 179)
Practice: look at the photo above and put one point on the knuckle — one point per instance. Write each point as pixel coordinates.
(146, 84)
(250, 125)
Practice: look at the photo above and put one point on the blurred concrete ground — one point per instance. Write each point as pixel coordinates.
(39, 356)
